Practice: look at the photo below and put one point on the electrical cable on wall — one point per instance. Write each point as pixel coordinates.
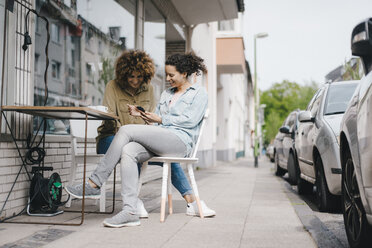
(36, 154)
(27, 42)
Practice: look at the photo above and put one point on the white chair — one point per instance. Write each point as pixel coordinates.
(166, 181)
(77, 128)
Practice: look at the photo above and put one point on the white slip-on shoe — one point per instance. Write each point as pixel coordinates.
(141, 210)
(192, 209)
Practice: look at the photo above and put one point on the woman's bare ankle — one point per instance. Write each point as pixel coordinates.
(92, 184)
(189, 198)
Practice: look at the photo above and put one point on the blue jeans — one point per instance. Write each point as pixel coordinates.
(179, 179)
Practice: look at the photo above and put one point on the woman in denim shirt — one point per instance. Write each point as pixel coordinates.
(177, 117)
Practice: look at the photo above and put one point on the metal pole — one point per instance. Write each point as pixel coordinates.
(255, 108)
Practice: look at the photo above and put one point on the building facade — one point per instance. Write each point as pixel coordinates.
(234, 93)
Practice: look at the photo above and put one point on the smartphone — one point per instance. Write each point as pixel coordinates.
(140, 108)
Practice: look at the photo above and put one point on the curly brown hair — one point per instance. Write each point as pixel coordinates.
(189, 63)
(134, 61)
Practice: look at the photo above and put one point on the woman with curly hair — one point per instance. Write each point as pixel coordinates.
(133, 72)
(176, 123)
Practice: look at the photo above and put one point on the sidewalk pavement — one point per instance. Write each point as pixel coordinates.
(252, 208)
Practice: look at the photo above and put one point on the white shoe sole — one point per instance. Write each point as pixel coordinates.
(136, 223)
(95, 197)
(205, 215)
(143, 216)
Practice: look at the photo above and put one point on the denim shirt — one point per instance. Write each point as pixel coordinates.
(184, 117)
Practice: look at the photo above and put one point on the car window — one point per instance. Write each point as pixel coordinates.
(284, 122)
(313, 99)
(338, 98)
(291, 120)
(315, 106)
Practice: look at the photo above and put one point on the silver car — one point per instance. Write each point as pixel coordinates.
(317, 143)
(270, 152)
(284, 147)
(356, 147)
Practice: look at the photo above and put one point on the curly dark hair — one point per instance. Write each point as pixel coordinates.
(189, 63)
(134, 61)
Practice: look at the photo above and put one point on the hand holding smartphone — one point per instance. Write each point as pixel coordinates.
(142, 111)
(140, 108)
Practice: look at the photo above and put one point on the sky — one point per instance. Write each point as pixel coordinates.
(307, 38)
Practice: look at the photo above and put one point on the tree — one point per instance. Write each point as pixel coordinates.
(108, 70)
(281, 99)
(352, 70)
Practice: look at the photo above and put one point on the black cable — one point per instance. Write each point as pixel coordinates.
(32, 150)
(46, 48)
(30, 155)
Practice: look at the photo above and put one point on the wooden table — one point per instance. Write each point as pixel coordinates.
(65, 113)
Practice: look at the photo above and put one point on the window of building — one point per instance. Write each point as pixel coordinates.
(54, 32)
(71, 72)
(88, 68)
(88, 36)
(227, 25)
(72, 59)
(36, 65)
(100, 47)
(37, 24)
(56, 70)
(89, 72)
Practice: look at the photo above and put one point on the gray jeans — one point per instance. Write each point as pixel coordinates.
(136, 144)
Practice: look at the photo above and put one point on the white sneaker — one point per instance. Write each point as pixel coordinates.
(141, 210)
(192, 209)
(123, 218)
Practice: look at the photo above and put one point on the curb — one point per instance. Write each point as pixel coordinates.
(323, 237)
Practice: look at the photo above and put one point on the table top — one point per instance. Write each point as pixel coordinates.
(59, 112)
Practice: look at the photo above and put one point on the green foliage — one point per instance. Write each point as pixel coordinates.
(352, 70)
(273, 122)
(108, 70)
(281, 99)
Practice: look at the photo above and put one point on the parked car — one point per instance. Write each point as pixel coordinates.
(284, 146)
(317, 143)
(356, 147)
(270, 152)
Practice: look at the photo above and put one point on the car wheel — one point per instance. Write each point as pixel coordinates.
(358, 231)
(279, 171)
(325, 200)
(292, 174)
